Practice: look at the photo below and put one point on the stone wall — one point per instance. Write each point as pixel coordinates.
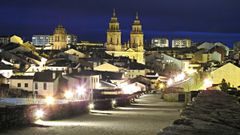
(24, 115)
(212, 113)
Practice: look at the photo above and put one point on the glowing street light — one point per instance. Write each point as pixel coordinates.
(207, 83)
(49, 100)
(68, 95)
(91, 106)
(130, 88)
(170, 82)
(161, 85)
(179, 77)
(39, 114)
(114, 102)
(191, 71)
(81, 91)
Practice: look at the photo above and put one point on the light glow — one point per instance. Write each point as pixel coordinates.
(170, 82)
(114, 102)
(68, 95)
(161, 85)
(39, 114)
(81, 91)
(179, 77)
(49, 100)
(191, 71)
(207, 83)
(130, 88)
(91, 106)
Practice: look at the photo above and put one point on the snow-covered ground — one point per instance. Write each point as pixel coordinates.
(146, 117)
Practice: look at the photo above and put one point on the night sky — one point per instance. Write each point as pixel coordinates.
(201, 20)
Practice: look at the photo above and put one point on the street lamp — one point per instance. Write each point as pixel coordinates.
(170, 82)
(39, 114)
(91, 106)
(207, 83)
(179, 77)
(49, 100)
(81, 91)
(68, 95)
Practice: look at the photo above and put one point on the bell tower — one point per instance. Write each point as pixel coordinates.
(59, 38)
(114, 35)
(136, 36)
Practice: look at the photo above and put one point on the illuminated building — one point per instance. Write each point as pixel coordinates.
(134, 49)
(159, 42)
(136, 36)
(114, 35)
(229, 72)
(181, 43)
(40, 40)
(72, 39)
(4, 40)
(59, 38)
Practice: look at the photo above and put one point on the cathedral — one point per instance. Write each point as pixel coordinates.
(59, 38)
(134, 49)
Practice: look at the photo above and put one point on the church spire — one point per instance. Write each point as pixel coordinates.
(136, 15)
(114, 12)
(136, 36)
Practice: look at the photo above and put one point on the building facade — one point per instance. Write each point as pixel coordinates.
(21, 82)
(72, 39)
(229, 72)
(59, 40)
(40, 40)
(181, 43)
(134, 49)
(114, 35)
(159, 42)
(4, 40)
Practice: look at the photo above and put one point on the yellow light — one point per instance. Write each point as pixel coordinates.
(114, 102)
(91, 106)
(161, 85)
(207, 83)
(68, 94)
(49, 100)
(39, 114)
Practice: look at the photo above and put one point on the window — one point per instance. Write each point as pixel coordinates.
(19, 85)
(45, 86)
(36, 86)
(26, 85)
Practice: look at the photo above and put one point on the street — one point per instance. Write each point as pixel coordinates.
(145, 117)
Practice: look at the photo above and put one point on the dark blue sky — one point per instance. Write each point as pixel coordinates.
(201, 20)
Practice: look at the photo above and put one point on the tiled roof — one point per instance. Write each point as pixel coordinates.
(22, 77)
(46, 76)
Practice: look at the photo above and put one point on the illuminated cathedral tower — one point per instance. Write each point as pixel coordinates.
(134, 49)
(114, 35)
(59, 38)
(136, 36)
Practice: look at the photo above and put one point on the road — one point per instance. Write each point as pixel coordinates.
(145, 117)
